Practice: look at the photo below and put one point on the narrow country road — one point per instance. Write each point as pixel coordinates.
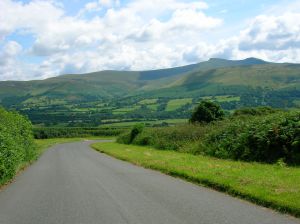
(73, 184)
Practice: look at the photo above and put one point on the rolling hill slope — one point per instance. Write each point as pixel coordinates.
(106, 84)
(235, 80)
(253, 81)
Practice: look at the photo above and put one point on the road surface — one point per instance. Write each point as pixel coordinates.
(73, 184)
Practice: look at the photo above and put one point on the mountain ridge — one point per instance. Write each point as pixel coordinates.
(213, 77)
(110, 96)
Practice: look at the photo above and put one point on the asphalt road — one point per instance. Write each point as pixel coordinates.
(73, 184)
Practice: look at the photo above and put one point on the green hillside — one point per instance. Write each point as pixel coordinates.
(235, 80)
(100, 84)
(115, 96)
(107, 84)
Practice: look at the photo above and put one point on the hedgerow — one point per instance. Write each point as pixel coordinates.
(270, 138)
(179, 137)
(70, 132)
(263, 138)
(16, 143)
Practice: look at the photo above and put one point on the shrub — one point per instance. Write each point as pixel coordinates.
(69, 132)
(255, 111)
(16, 143)
(207, 112)
(137, 129)
(273, 138)
(264, 139)
(171, 138)
(128, 137)
(124, 138)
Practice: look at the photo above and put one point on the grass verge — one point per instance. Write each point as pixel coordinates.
(272, 186)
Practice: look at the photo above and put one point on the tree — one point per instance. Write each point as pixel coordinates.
(137, 129)
(207, 112)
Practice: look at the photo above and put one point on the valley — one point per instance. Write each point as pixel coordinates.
(149, 112)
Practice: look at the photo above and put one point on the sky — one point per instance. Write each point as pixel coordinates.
(45, 38)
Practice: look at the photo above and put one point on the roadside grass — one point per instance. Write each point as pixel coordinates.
(273, 186)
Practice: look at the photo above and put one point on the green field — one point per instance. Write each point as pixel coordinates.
(147, 101)
(177, 103)
(125, 110)
(153, 107)
(268, 185)
(220, 99)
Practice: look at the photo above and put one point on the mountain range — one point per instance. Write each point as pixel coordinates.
(252, 81)
(212, 77)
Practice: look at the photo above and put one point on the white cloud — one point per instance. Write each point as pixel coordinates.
(157, 7)
(9, 66)
(77, 44)
(272, 33)
(12, 48)
(274, 38)
(270, 37)
(98, 6)
(8, 54)
(139, 35)
(32, 17)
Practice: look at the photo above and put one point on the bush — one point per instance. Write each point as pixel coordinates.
(255, 111)
(264, 139)
(16, 143)
(69, 132)
(137, 129)
(128, 137)
(177, 137)
(274, 138)
(207, 112)
(124, 138)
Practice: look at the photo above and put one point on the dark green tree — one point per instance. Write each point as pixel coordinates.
(207, 112)
(137, 129)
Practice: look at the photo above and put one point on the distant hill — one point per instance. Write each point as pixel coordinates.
(235, 80)
(213, 63)
(254, 81)
(107, 84)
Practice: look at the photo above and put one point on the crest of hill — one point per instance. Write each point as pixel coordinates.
(215, 76)
(212, 63)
